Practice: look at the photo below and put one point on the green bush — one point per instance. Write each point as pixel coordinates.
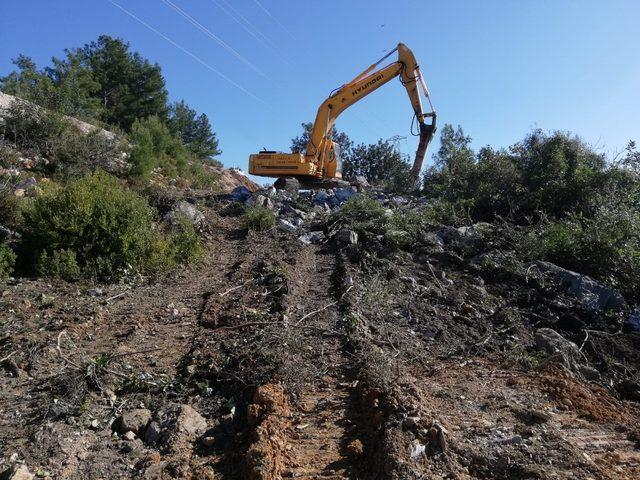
(9, 212)
(605, 245)
(33, 128)
(7, 261)
(156, 146)
(362, 214)
(259, 218)
(71, 153)
(98, 222)
(59, 264)
(186, 243)
(200, 176)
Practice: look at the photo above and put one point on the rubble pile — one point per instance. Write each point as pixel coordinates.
(301, 211)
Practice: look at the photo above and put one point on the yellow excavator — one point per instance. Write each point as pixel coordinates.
(321, 163)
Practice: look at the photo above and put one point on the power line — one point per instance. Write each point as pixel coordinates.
(275, 19)
(214, 37)
(184, 50)
(237, 17)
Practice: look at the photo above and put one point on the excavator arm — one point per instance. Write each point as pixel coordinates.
(321, 159)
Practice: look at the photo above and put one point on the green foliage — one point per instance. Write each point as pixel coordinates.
(194, 131)
(381, 163)
(70, 152)
(259, 218)
(551, 174)
(32, 128)
(29, 83)
(199, 176)
(59, 264)
(363, 214)
(105, 81)
(7, 261)
(155, 146)
(186, 243)
(97, 220)
(130, 87)
(299, 144)
(9, 212)
(605, 244)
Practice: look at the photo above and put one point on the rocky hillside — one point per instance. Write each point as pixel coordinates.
(338, 333)
(25, 167)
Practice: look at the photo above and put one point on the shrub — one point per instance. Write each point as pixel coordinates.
(605, 245)
(33, 128)
(186, 243)
(200, 176)
(7, 261)
(70, 152)
(155, 147)
(9, 213)
(259, 218)
(98, 222)
(363, 214)
(59, 264)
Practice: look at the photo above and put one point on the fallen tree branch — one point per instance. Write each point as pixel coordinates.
(4, 359)
(235, 288)
(323, 308)
(116, 296)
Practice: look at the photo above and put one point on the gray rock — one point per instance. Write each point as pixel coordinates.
(634, 320)
(399, 201)
(592, 295)
(20, 472)
(346, 236)
(321, 197)
(95, 292)
(190, 422)
(129, 436)
(184, 211)
(260, 200)
(287, 226)
(26, 184)
(134, 420)
(312, 237)
(561, 350)
(240, 194)
(361, 181)
(290, 185)
(431, 239)
(344, 194)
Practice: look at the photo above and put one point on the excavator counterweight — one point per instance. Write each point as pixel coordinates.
(322, 161)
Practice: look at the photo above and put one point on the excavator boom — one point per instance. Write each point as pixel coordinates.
(321, 161)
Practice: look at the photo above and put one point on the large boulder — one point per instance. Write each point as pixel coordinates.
(592, 295)
(312, 237)
(290, 185)
(240, 194)
(344, 194)
(184, 211)
(564, 352)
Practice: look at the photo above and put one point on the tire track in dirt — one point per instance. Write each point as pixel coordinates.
(314, 433)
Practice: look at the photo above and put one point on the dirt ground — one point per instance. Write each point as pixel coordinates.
(272, 359)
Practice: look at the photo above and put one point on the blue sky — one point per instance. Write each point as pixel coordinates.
(498, 68)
